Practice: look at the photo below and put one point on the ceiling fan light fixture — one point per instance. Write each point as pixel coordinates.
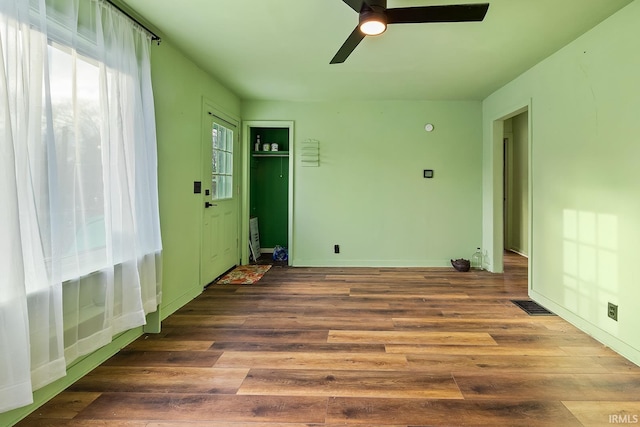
(373, 23)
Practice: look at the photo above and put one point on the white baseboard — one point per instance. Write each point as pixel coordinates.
(517, 251)
(614, 343)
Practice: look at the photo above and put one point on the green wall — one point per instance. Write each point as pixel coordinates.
(269, 188)
(585, 109)
(368, 194)
(179, 87)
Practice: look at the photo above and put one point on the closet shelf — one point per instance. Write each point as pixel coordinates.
(270, 154)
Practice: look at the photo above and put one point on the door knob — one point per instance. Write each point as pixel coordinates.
(208, 205)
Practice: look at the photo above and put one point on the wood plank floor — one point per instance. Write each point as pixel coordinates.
(357, 346)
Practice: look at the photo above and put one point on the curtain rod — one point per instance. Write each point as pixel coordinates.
(154, 36)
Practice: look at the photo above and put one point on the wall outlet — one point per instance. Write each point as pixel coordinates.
(336, 249)
(612, 311)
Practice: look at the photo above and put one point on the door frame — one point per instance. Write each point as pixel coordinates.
(246, 170)
(494, 241)
(211, 109)
(507, 140)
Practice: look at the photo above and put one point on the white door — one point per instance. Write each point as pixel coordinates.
(220, 227)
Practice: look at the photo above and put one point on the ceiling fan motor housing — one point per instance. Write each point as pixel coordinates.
(376, 13)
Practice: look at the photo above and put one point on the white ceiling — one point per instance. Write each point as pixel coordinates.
(280, 49)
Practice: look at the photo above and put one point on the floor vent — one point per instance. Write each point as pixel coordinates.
(532, 308)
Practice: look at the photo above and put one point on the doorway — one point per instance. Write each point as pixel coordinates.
(516, 184)
(510, 220)
(268, 186)
(220, 197)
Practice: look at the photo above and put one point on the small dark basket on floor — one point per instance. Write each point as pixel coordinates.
(461, 264)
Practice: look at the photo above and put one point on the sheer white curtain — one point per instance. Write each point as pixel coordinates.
(80, 252)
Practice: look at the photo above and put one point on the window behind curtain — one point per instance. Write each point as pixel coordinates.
(79, 181)
(79, 159)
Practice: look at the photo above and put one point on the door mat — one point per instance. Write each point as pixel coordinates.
(244, 275)
(532, 308)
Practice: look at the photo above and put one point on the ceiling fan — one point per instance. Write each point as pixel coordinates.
(374, 18)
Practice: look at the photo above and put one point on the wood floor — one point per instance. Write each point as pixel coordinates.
(357, 346)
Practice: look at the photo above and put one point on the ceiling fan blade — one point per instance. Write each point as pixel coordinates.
(448, 13)
(355, 4)
(348, 46)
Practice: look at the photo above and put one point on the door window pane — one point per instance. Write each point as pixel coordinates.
(222, 162)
